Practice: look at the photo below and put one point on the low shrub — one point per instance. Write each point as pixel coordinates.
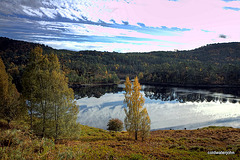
(115, 125)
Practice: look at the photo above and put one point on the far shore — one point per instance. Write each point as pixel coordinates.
(75, 85)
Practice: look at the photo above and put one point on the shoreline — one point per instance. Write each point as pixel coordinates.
(192, 85)
(75, 85)
(91, 85)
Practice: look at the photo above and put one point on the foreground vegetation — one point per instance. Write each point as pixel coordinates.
(17, 142)
(46, 102)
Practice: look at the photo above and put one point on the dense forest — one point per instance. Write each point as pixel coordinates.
(215, 64)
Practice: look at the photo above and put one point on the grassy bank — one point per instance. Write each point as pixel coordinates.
(17, 142)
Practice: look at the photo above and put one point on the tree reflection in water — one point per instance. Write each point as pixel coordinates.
(181, 95)
(193, 94)
(95, 91)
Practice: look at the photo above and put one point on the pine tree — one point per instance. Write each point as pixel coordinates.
(50, 100)
(135, 115)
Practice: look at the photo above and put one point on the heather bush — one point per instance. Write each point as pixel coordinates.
(115, 124)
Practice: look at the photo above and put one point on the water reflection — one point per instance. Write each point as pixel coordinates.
(174, 108)
(192, 95)
(95, 91)
(166, 93)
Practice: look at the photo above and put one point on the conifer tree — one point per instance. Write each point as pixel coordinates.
(135, 115)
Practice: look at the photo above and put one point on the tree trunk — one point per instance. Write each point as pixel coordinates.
(135, 134)
(44, 118)
(56, 123)
(8, 120)
(31, 118)
(44, 123)
(31, 109)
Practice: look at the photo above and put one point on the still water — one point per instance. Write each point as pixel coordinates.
(168, 107)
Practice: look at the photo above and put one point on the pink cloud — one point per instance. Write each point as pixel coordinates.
(198, 15)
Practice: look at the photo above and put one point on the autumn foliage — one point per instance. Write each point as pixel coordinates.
(51, 106)
(137, 119)
(9, 96)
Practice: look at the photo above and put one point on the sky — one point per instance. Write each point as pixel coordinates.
(121, 25)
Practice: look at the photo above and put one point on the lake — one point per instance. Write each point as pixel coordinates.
(168, 107)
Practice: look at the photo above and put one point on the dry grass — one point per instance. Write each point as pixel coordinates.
(94, 143)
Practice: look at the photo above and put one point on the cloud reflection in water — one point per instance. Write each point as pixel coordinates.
(96, 112)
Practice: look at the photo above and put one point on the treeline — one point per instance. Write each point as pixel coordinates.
(216, 64)
(194, 73)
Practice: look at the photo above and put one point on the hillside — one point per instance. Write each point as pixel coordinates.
(17, 142)
(214, 64)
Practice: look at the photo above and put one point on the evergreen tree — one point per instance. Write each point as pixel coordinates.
(136, 116)
(49, 99)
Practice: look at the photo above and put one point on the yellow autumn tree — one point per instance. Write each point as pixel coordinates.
(144, 124)
(9, 97)
(51, 105)
(137, 119)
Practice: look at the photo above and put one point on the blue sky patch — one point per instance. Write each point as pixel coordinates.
(230, 0)
(231, 8)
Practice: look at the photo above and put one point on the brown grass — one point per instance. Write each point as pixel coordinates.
(94, 143)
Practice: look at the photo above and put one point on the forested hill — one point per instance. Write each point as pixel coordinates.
(211, 64)
(220, 53)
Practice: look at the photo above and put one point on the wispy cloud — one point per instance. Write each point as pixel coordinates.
(232, 8)
(160, 24)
